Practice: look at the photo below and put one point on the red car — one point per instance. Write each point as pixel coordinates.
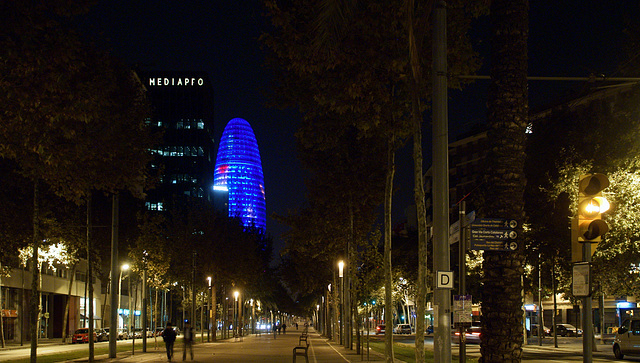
(82, 336)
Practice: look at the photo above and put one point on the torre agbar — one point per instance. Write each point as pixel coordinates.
(238, 172)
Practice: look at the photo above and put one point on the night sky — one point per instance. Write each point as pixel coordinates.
(567, 38)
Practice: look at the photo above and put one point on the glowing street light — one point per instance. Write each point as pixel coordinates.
(124, 267)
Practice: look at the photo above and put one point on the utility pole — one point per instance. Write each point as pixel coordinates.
(441, 263)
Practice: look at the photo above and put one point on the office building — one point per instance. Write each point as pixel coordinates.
(238, 173)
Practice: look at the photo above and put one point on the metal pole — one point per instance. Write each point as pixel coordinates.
(442, 337)
(210, 304)
(131, 312)
(540, 317)
(113, 317)
(462, 269)
(145, 301)
(587, 320)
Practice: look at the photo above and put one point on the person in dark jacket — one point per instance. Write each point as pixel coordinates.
(169, 337)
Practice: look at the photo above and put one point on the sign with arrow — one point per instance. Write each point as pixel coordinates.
(494, 234)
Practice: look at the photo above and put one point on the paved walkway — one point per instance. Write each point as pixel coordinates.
(254, 348)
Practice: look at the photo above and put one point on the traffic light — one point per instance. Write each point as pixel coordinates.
(591, 205)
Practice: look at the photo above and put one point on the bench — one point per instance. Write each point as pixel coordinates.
(302, 338)
(301, 350)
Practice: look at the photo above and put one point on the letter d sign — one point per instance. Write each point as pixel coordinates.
(444, 280)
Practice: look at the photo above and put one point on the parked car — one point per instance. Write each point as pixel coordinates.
(380, 329)
(123, 333)
(158, 332)
(108, 331)
(534, 330)
(471, 335)
(82, 336)
(627, 339)
(137, 333)
(429, 329)
(402, 329)
(101, 335)
(567, 330)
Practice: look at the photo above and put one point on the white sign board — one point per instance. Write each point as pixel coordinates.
(581, 280)
(444, 279)
(462, 309)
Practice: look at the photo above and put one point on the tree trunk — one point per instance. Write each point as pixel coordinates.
(34, 303)
(68, 306)
(418, 188)
(214, 307)
(90, 280)
(388, 283)
(502, 336)
(1, 314)
(106, 297)
(155, 319)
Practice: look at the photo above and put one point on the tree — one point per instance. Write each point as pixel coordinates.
(62, 98)
(373, 70)
(502, 335)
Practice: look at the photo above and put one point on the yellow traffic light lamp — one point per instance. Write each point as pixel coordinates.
(588, 226)
(591, 205)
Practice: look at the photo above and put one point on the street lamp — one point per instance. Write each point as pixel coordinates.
(235, 312)
(125, 267)
(210, 304)
(341, 297)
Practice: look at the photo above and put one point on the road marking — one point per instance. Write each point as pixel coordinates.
(340, 354)
(313, 353)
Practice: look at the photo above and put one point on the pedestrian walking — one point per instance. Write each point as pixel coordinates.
(296, 326)
(188, 340)
(284, 328)
(279, 328)
(169, 337)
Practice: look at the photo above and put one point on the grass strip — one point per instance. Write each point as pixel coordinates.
(407, 353)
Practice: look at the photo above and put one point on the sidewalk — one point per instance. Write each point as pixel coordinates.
(253, 348)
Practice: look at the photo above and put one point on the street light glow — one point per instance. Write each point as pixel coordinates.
(125, 267)
(235, 294)
(340, 268)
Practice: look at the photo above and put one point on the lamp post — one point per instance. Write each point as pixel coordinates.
(124, 267)
(235, 312)
(210, 315)
(341, 293)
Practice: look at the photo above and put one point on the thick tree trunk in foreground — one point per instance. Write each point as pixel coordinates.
(502, 336)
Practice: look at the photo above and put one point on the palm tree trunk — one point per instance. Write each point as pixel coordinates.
(388, 283)
(68, 306)
(502, 336)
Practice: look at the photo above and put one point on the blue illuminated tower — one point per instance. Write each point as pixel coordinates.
(238, 172)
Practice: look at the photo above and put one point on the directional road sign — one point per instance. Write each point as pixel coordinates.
(494, 234)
